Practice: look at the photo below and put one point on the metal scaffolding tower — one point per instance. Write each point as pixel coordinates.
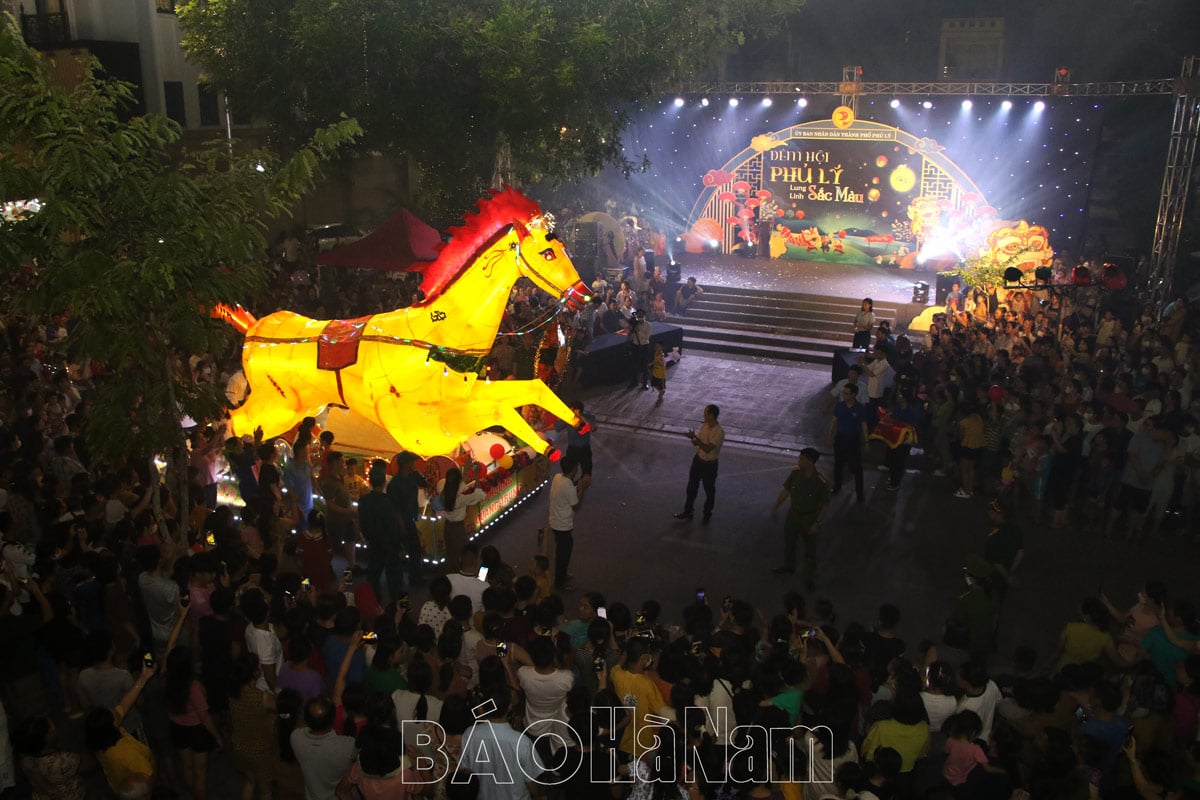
(1177, 179)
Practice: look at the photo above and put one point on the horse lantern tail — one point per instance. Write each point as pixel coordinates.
(236, 316)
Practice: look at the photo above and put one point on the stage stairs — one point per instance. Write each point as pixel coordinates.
(770, 324)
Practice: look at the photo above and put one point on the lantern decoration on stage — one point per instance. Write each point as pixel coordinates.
(408, 371)
(1024, 246)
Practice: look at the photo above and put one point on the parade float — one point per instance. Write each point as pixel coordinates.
(412, 379)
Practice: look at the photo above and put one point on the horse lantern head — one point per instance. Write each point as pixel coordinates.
(543, 259)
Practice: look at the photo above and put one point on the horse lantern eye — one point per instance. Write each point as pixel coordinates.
(548, 254)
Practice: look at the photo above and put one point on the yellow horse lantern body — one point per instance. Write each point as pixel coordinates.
(389, 367)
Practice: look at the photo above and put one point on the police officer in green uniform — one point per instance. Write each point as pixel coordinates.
(809, 492)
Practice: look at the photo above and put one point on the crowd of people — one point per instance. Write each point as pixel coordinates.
(175, 638)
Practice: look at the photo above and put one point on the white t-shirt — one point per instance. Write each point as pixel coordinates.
(462, 502)
(563, 499)
(939, 708)
(406, 706)
(434, 616)
(863, 394)
(984, 705)
(545, 698)
(877, 374)
(712, 434)
(469, 585)
(469, 655)
(265, 645)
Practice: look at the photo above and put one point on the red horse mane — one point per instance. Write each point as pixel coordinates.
(500, 208)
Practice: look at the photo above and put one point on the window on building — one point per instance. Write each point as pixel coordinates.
(164, 6)
(210, 109)
(173, 94)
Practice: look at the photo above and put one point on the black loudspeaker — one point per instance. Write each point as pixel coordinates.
(674, 271)
(944, 281)
(649, 254)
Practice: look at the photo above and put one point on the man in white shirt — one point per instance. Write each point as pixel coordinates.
(261, 639)
(565, 498)
(545, 690)
(707, 441)
(853, 377)
(324, 757)
(501, 760)
(877, 369)
(466, 580)
(980, 694)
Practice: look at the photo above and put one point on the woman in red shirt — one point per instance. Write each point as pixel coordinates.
(316, 553)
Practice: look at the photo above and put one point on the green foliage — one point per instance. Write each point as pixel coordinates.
(980, 271)
(987, 270)
(451, 82)
(136, 238)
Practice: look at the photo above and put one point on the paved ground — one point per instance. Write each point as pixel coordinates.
(907, 548)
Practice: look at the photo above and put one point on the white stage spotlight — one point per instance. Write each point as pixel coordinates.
(802, 102)
(1006, 105)
(1039, 106)
(895, 103)
(966, 105)
(767, 102)
(704, 102)
(927, 104)
(733, 102)
(679, 102)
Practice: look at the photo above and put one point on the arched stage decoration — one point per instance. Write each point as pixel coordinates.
(842, 192)
(411, 371)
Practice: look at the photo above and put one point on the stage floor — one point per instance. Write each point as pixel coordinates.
(806, 277)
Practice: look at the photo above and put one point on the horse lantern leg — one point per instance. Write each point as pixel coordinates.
(510, 394)
(268, 406)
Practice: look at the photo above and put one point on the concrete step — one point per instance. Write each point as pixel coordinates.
(783, 318)
(758, 338)
(764, 350)
(763, 323)
(746, 330)
(790, 299)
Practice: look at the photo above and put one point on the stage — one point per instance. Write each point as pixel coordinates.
(886, 286)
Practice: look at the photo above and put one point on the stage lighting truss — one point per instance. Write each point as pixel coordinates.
(1164, 86)
(1184, 131)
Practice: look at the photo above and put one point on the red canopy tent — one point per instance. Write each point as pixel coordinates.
(403, 242)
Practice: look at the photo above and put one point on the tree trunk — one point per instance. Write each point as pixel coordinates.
(502, 171)
(182, 503)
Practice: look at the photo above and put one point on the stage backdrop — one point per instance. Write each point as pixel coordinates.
(1030, 160)
(860, 193)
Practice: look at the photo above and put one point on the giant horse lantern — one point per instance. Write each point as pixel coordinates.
(391, 368)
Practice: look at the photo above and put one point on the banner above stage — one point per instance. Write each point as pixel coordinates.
(849, 192)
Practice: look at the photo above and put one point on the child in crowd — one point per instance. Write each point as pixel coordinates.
(967, 764)
(658, 372)
(539, 568)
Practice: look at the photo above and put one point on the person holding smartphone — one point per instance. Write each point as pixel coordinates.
(707, 441)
